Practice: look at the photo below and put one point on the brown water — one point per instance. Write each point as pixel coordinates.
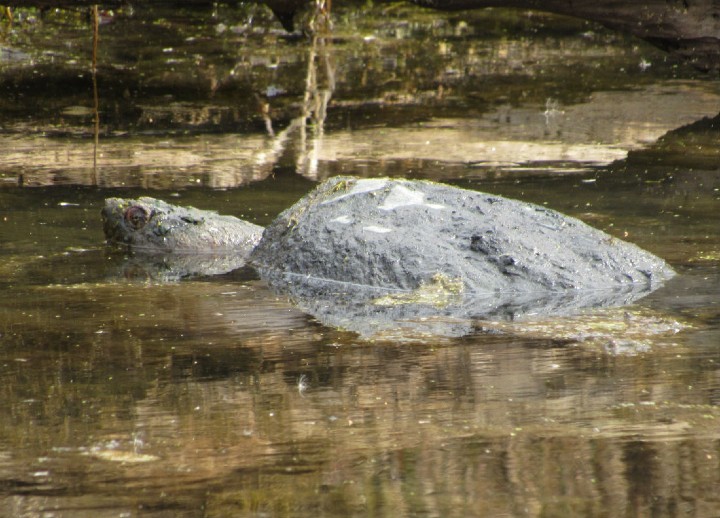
(126, 396)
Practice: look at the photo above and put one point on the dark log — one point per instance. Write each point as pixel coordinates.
(689, 29)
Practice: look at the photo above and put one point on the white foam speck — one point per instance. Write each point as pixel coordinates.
(401, 196)
(345, 220)
(377, 230)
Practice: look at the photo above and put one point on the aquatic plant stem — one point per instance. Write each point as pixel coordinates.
(96, 101)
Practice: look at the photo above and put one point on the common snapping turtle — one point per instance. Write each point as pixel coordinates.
(387, 249)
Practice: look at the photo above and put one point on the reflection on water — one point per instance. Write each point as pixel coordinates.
(122, 395)
(170, 113)
(168, 390)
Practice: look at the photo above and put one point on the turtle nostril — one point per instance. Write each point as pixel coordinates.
(136, 217)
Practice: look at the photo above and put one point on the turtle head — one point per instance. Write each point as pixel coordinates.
(153, 226)
(140, 223)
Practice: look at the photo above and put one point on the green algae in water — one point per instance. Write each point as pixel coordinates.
(712, 255)
(616, 330)
(440, 292)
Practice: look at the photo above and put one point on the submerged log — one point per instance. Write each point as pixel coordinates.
(689, 29)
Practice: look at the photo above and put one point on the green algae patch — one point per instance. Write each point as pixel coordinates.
(440, 292)
(615, 330)
(712, 255)
(319, 195)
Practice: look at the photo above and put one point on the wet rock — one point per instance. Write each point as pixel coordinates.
(400, 234)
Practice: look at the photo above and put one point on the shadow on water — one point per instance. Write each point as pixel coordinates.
(212, 396)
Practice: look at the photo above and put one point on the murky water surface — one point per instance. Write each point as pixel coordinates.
(123, 395)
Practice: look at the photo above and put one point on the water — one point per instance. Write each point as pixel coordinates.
(124, 395)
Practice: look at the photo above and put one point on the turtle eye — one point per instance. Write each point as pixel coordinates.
(136, 217)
